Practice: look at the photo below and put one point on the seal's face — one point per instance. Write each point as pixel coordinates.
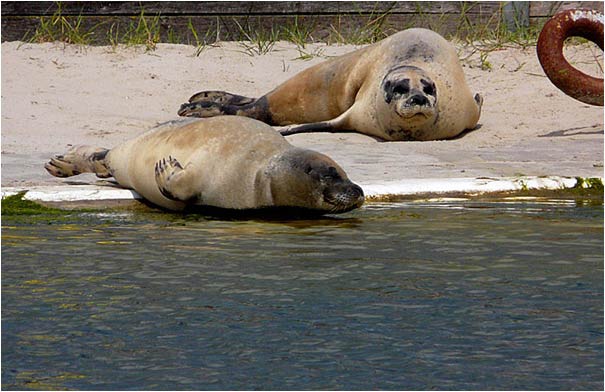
(411, 94)
(307, 179)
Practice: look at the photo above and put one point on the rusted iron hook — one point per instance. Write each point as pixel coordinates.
(571, 23)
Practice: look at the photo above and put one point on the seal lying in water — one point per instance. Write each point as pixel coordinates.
(409, 86)
(226, 162)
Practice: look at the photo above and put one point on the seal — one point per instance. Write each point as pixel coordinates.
(409, 86)
(225, 162)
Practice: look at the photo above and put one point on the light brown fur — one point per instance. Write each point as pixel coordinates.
(350, 93)
(226, 162)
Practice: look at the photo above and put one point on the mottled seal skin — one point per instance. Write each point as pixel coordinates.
(226, 162)
(409, 86)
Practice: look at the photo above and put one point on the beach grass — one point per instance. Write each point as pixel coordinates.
(257, 38)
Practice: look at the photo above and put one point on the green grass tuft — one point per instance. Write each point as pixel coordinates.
(61, 28)
(299, 33)
(143, 31)
(372, 31)
(257, 41)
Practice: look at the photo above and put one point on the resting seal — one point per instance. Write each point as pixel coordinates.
(225, 162)
(409, 86)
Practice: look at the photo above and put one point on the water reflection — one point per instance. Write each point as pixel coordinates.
(407, 296)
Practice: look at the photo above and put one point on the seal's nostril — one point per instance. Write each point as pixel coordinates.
(418, 100)
(356, 189)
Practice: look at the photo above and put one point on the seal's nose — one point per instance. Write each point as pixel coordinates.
(418, 100)
(358, 194)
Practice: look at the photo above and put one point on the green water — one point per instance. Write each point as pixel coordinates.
(461, 295)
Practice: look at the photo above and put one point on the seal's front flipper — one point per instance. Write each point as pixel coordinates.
(479, 100)
(324, 126)
(80, 159)
(338, 124)
(174, 181)
(220, 97)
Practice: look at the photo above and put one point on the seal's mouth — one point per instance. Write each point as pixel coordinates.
(416, 113)
(414, 116)
(343, 200)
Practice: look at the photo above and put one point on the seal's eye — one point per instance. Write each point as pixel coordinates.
(308, 170)
(330, 174)
(402, 87)
(429, 88)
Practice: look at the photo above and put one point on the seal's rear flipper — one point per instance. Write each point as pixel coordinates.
(214, 103)
(80, 159)
(201, 109)
(220, 97)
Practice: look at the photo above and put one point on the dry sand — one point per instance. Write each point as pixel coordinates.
(55, 95)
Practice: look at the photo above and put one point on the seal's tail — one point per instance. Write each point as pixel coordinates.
(79, 159)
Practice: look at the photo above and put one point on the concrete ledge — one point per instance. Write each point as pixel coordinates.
(72, 193)
(468, 186)
(376, 191)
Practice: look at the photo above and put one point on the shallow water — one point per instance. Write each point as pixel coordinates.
(465, 295)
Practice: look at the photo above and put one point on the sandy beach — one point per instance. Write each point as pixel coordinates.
(56, 95)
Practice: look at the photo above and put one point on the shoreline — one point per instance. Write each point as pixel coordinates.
(530, 134)
(98, 196)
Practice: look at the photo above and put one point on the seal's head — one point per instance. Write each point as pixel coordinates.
(310, 180)
(412, 95)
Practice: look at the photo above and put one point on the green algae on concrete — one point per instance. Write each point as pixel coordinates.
(17, 205)
(591, 185)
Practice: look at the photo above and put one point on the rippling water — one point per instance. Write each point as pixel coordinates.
(392, 296)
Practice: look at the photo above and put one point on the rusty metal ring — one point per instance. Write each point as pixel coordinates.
(571, 23)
